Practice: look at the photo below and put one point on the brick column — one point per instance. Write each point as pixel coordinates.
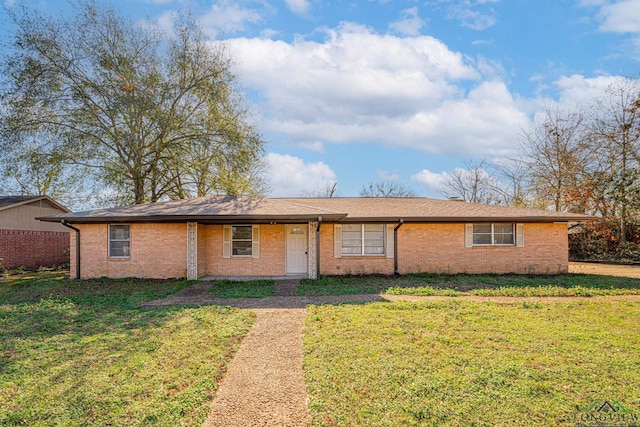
(313, 268)
(192, 250)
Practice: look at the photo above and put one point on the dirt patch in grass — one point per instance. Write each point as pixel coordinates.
(620, 270)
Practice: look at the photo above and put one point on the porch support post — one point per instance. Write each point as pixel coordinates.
(192, 250)
(396, 272)
(312, 251)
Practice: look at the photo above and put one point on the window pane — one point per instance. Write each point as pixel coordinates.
(374, 227)
(241, 248)
(503, 239)
(241, 232)
(481, 234)
(503, 234)
(119, 249)
(352, 239)
(119, 232)
(352, 251)
(377, 233)
(351, 231)
(351, 235)
(503, 228)
(352, 246)
(481, 228)
(482, 239)
(374, 250)
(374, 239)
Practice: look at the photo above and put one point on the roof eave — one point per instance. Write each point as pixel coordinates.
(459, 219)
(209, 219)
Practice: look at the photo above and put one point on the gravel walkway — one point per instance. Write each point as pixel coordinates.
(264, 384)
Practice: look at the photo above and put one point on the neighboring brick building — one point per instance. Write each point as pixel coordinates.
(27, 242)
(234, 236)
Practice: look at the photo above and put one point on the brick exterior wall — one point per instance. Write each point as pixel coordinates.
(270, 263)
(160, 250)
(32, 249)
(440, 248)
(157, 250)
(329, 265)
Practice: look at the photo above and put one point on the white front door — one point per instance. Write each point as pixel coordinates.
(297, 249)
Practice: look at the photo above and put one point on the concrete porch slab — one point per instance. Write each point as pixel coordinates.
(247, 278)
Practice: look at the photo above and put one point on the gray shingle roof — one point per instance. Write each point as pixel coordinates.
(7, 202)
(236, 209)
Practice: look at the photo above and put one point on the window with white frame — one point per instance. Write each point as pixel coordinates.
(241, 240)
(363, 239)
(494, 234)
(119, 240)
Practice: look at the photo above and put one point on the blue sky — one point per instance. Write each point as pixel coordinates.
(403, 90)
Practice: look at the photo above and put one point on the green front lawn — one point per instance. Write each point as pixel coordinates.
(474, 284)
(463, 363)
(83, 353)
(239, 289)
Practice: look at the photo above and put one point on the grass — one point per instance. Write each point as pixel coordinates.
(83, 353)
(474, 284)
(248, 289)
(463, 363)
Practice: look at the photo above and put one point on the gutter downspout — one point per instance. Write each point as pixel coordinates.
(66, 224)
(395, 247)
(318, 247)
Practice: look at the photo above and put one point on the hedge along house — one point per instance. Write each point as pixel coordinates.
(225, 236)
(26, 242)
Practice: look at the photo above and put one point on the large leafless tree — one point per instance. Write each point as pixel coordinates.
(472, 183)
(557, 155)
(615, 136)
(386, 189)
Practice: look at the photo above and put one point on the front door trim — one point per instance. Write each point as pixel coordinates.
(296, 249)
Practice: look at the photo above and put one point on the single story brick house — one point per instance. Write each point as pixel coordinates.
(26, 242)
(224, 236)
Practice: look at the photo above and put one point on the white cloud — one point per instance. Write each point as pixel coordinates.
(299, 7)
(387, 176)
(357, 86)
(291, 176)
(576, 90)
(620, 17)
(9, 3)
(410, 24)
(472, 18)
(227, 16)
(164, 22)
(432, 181)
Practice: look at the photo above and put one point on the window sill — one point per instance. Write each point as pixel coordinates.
(494, 246)
(364, 256)
(118, 258)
